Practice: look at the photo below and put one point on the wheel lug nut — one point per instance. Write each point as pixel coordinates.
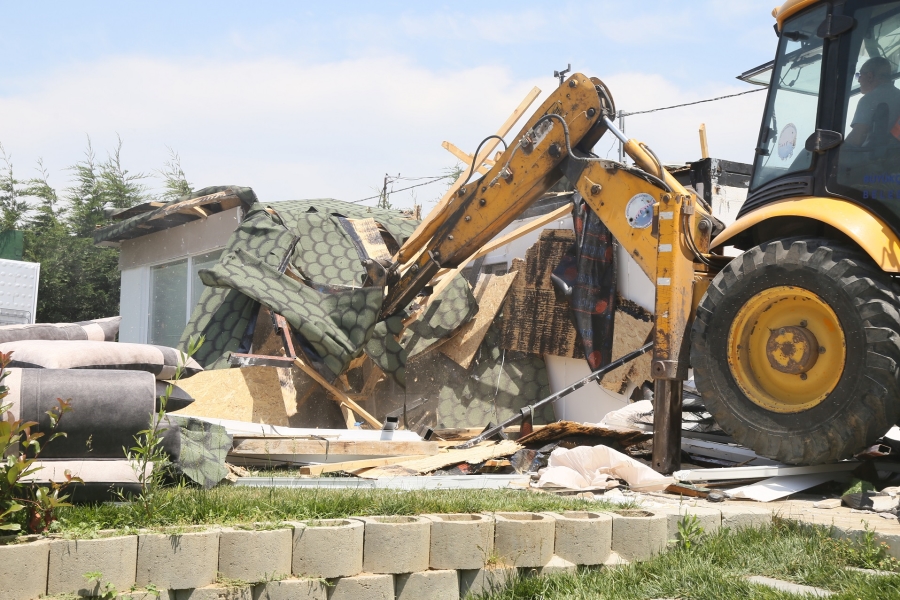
(781, 331)
(803, 376)
(821, 349)
(802, 323)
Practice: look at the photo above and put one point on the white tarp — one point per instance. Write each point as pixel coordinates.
(596, 467)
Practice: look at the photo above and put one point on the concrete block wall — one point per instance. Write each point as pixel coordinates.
(391, 558)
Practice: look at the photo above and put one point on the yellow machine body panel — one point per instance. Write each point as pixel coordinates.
(791, 7)
(861, 226)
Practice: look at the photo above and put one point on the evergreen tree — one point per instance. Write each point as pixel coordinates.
(175, 183)
(14, 207)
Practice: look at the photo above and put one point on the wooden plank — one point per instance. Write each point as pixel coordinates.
(355, 465)
(432, 220)
(539, 222)
(478, 454)
(467, 159)
(490, 294)
(339, 396)
(370, 236)
(262, 447)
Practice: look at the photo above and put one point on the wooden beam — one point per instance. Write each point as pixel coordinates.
(467, 159)
(483, 452)
(513, 235)
(355, 465)
(432, 220)
(339, 396)
(244, 446)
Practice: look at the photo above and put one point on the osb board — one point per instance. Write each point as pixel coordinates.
(630, 334)
(250, 394)
(490, 293)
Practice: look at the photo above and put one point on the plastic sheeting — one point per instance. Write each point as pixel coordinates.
(595, 467)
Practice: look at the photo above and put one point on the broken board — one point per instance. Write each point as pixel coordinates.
(490, 293)
(254, 394)
(478, 454)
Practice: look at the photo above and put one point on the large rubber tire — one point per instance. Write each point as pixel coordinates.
(866, 400)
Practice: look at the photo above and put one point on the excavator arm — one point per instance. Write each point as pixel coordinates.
(660, 223)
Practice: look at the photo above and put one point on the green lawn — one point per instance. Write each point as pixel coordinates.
(229, 505)
(714, 570)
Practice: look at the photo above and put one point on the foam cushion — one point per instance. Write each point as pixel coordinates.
(161, 361)
(100, 330)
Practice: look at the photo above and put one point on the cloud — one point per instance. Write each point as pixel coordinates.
(292, 128)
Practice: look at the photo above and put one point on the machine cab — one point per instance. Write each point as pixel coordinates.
(831, 126)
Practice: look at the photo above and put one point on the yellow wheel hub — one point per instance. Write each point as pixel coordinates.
(786, 349)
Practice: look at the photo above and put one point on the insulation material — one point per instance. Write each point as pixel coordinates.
(490, 294)
(254, 394)
(596, 467)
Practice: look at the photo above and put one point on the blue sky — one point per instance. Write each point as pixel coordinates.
(304, 100)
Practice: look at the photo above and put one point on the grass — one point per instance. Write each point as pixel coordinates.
(714, 568)
(181, 507)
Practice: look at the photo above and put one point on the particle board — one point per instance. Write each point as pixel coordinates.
(490, 293)
(370, 236)
(629, 335)
(253, 394)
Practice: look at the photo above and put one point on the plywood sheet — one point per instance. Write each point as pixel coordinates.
(250, 394)
(478, 454)
(536, 322)
(293, 446)
(490, 293)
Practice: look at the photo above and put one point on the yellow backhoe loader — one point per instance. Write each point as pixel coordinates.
(795, 343)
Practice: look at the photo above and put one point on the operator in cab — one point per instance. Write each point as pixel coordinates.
(875, 122)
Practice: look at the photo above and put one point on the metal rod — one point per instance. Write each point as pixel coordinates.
(667, 402)
(529, 410)
(615, 130)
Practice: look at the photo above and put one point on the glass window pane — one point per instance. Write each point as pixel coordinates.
(793, 102)
(168, 303)
(201, 261)
(871, 150)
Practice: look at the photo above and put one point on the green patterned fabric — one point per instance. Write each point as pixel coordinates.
(332, 313)
(201, 450)
(451, 309)
(386, 351)
(115, 231)
(499, 383)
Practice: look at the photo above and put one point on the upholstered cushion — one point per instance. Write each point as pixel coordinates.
(86, 354)
(100, 330)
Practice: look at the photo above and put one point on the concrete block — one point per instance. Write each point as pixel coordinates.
(556, 565)
(583, 538)
(524, 539)
(737, 515)
(638, 535)
(362, 587)
(24, 583)
(291, 589)
(114, 558)
(145, 595)
(462, 541)
(710, 519)
(891, 539)
(328, 548)
(427, 585)
(396, 544)
(487, 580)
(254, 555)
(178, 561)
(216, 592)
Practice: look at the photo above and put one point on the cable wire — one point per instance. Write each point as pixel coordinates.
(401, 189)
(653, 110)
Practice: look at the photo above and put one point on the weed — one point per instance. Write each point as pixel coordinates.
(689, 531)
(149, 459)
(106, 591)
(20, 448)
